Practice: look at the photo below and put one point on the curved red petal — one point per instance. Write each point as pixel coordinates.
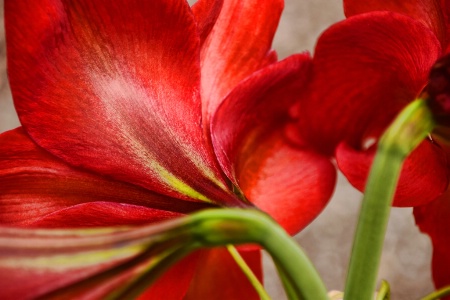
(428, 12)
(219, 277)
(434, 220)
(365, 70)
(238, 45)
(259, 105)
(424, 176)
(34, 183)
(180, 275)
(290, 184)
(206, 13)
(87, 264)
(113, 87)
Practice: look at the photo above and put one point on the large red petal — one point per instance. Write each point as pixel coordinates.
(429, 12)
(365, 70)
(218, 276)
(29, 284)
(424, 176)
(113, 87)
(238, 45)
(292, 184)
(260, 104)
(434, 220)
(47, 262)
(34, 183)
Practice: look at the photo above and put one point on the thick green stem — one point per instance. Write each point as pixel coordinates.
(233, 226)
(401, 138)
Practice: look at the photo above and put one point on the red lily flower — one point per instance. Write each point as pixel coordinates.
(365, 70)
(137, 111)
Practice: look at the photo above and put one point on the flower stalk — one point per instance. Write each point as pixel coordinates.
(232, 226)
(407, 131)
(151, 250)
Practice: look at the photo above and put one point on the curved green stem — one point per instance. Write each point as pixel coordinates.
(401, 138)
(248, 273)
(233, 226)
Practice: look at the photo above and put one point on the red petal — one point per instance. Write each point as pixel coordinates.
(38, 262)
(206, 13)
(434, 220)
(218, 276)
(16, 283)
(429, 12)
(112, 86)
(291, 184)
(424, 175)
(365, 70)
(238, 45)
(34, 184)
(258, 105)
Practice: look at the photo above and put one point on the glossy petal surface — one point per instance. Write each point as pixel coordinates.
(238, 45)
(433, 219)
(291, 184)
(119, 86)
(219, 277)
(35, 184)
(424, 175)
(365, 69)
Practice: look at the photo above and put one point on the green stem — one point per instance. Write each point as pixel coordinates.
(438, 294)
(248, 273)
(401, 138)
(233, 226)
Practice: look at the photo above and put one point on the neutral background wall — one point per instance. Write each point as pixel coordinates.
(327, 241)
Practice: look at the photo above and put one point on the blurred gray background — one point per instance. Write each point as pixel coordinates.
(327, 241)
